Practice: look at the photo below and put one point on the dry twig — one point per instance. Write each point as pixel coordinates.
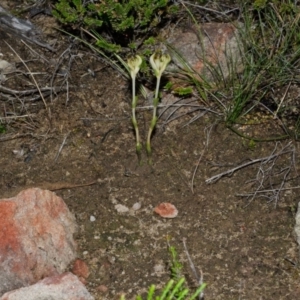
(61, 146)
(268, 175)
(66, 72)
(37, 86)
(208, 131)
(251, 162)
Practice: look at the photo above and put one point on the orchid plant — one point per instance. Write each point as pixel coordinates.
(158, 63)
(134, 64)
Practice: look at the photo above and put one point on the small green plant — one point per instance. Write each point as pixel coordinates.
(134, 64)
(173, 290)
(125, 20)
(176, 288)
(159, 63)
(183, 91)
(176, 266)
(249, 144)
(168, 86)
(258, 4)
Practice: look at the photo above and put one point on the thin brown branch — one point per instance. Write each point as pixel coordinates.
(229, 172)
(33, 78)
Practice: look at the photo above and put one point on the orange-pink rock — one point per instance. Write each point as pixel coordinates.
(166, 210)
(36, 238)
(81, 269)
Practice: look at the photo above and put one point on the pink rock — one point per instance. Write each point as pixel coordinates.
(166, 210)
(36, 238)
(63, 287)
(102, 288)
(81, 269)
(215, 49)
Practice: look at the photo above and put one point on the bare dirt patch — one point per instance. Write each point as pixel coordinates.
(84, 137)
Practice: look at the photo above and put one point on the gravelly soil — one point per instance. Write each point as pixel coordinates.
(244, 251)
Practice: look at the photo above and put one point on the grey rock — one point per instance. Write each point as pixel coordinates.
(22, 29)
(60, 287)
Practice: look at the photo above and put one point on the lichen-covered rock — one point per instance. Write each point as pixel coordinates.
(36, 234)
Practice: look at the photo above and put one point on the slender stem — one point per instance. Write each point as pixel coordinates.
(154, 118)
(134, 121)
(157, 86)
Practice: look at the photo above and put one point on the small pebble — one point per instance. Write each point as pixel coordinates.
(92, 219)
(159, 268)
(102, 288)
(18, 153)
(136, 206)
(166, 210)
(121, 208)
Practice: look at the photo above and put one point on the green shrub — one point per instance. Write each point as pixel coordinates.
(124, 20)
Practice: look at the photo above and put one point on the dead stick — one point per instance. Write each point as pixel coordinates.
(251, 162)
